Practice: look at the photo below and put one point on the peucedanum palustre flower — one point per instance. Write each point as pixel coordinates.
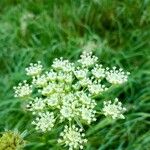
(66, 94)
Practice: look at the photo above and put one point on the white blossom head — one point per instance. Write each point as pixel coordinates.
(87, 59)
(53, 100)
(70, 91)
(51, 75)
(36, 105)
(98, 72)
(23, 89)
(64, 65)
(40, 81)
(69, 107)
(66, 112)
(73, 138)
(44, 121)
(85, 99)
(87, 114)
(117, 76)
(113, 109)
(96, 88)
(85, 82)
(34, 69)
(48, 89)
(65, 77)
(81, 73)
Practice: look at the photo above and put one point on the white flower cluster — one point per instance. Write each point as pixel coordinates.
(73, 137)
(66, 94)
(23, 89)
(36, 105)
(98, 71)
(117, 76)
(115, 109)
(87, 59)
(34, 69)
(64, 65)
(44, 121)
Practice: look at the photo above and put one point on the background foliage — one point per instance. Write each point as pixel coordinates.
(32, 30)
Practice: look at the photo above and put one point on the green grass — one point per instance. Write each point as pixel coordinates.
(121, 32)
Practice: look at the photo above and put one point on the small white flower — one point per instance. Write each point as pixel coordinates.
(68, 109)
(87, 59)
(115, 76)
(115, 110)
(23, 89)
(96, 88)
(44, 121)
(40, 81)
(53, 100)
(49, 89)
(85, 82)
(85, 99)
(65, 77)
(34, 69)
(87, 114)
(81, 73)
(98, 71)
(66, 112)
(51, 75)
(69, 98)
(36, 105)
(64, 65)
(73, 138)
